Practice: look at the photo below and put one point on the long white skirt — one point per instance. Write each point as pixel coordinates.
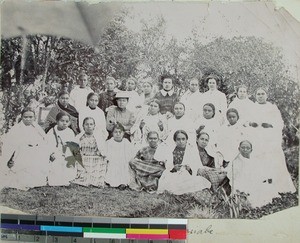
(181, 182)
(29, 170)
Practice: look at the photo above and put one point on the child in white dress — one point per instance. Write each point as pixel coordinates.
(61, 171)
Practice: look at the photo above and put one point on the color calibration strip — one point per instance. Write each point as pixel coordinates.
(35, 228)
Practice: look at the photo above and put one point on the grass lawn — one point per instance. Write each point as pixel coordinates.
(75, 200)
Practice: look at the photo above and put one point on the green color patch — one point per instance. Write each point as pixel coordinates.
(104, 230)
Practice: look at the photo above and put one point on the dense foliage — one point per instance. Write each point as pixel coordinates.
(44, 63)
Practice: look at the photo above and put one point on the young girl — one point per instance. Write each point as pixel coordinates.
(62, 170)
(93, 159)
(25, 155)
(230, 136)
(92, 110)
(119, 152)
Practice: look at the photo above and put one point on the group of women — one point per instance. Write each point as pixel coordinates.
(151, 141)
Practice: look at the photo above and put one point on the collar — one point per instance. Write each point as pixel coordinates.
(170, 92)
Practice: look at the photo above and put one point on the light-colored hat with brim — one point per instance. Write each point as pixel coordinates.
(122, 94)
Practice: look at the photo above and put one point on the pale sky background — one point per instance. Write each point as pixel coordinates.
(216, 19)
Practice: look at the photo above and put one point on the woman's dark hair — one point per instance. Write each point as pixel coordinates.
(60, 115)
(88, 118)
(26, 109)
(89, 96)
(152, 132)
(232, 110)
(180, 131)
(212, 76)
(163, 77)
(201, 133)
(156, 101)
(212, 106)
(118, 126)
(64, 92)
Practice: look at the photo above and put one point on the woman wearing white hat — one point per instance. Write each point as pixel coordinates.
(120, 114)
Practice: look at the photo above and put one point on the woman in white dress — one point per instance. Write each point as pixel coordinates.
(119, 152)
(182, 162)
(230, 135)
(249, 174)
(216, 97)
(209, 123)
(242, 104)
(92, 110)
(266, 128)
(25, 156)
(153, 120)
(180, 122)
(62, 168)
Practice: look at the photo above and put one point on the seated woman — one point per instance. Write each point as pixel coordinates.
(25, 156)
(209, 123)
(62, 105)
(250, 175)
(152, 121)
(182, 162)
(120, 114)
(62, 169)
(211, 161)
(180, 122)
(119, 152)
(146, 171)
(92, 110)
(92, 149)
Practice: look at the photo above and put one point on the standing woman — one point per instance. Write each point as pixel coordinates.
(242, 104)
(92, 110)
(147, 88)
(62, 105)
(267, 125)
(216, 97)
(25, 156)
(182, 162)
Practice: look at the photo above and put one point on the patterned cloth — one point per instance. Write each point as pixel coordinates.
(145, 170)
(88, 146)
(216, 177)
(178, 154)
(93, 172)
